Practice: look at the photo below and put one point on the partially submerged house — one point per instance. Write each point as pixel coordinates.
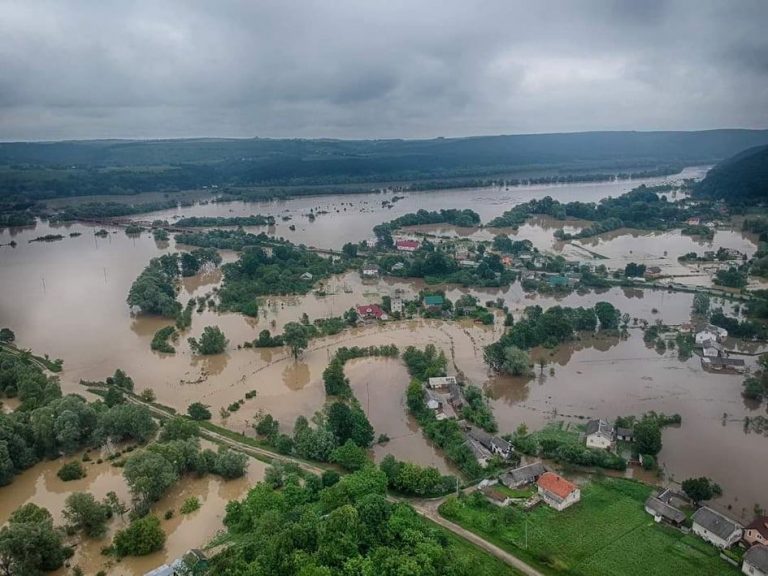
(370, 271)
(434, 403)
(441, 382)
(433, 302)
(599, 434)
(652, 272)
(494, 444)
(715, 528)
(371, 312)
(478, 451)
(756, 561)
(662, 511)
(557, 492)
(757, 531)
(407, 245)
(720, 364)
(523, 475)
(625, 434)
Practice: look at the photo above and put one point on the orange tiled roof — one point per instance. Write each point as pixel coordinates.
(555, 484)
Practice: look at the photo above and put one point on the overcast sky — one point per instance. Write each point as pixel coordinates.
(370, 69)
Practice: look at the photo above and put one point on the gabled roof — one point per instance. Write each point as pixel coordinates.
(407, 243)
(757, 556)
(556, 485)
(599, 427)
(760, 524)
(665, 510)
(524, 474)
(715, 522)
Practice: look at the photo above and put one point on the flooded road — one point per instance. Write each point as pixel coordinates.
(67, 299)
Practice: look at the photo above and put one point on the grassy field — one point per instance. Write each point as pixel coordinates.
(608, 533)
(484, 564)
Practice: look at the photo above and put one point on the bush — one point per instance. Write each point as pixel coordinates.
(71, 471)
(199, 411)
(190, 505)
(143, 536)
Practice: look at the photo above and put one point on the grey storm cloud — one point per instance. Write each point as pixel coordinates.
(394, 68)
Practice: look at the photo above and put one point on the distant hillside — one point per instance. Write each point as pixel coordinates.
(743, 177)
(40, 170)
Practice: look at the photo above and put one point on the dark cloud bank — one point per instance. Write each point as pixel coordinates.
(400, 68)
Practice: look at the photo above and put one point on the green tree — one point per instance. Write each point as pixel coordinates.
(71, 471)
(516, 361)
(178, 428)
(199, 411)
(608, 315)
(648, 436)
(29, 544)
(701, 304)
(295, 337)
(212, 341)
(349, 456)
(7, 336)
(700, 489)
(230, 464)
(83, 512)
(350, 423)
(143, 536)
(267, 427)
(148, 476)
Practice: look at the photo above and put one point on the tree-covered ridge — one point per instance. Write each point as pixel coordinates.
(643, 207)
(48, 170)
(350, 527)
(740, 179)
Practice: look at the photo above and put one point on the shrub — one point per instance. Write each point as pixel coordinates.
(143, 536)
(71, 471)
(190, 505)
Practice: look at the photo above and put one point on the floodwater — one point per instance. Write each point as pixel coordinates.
(41, 486)
(67, 299)
(351, 217)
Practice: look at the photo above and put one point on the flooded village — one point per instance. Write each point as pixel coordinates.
(67, 300)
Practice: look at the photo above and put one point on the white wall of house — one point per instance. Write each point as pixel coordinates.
(556, 502)
(705, 534)
(751, 570)
(598, 441)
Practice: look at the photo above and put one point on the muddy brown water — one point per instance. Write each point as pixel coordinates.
(40, 485)
(67, 299)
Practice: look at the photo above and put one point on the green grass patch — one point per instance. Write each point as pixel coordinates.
(512, 493)
(607, 533)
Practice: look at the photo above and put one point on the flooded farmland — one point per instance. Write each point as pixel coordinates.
(67, 299)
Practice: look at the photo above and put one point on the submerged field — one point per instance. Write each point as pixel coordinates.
(607, 533)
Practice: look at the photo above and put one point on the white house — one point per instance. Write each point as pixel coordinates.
(756, 561)
(704, 336)
(306, 276)
(370, 271)
(557, 492)
(716, 528)
(441, 382)
(600, 434)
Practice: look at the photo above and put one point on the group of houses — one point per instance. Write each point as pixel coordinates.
(716, 528)
(713, 355)
(551, 488)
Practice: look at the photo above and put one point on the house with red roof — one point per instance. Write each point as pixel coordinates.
(557, 492)
(371, 312)
(407, 245)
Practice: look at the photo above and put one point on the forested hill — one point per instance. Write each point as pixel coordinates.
(742, 178)
(49, 169)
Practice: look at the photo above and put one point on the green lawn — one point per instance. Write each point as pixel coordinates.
(606, 534)
(483, 563)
